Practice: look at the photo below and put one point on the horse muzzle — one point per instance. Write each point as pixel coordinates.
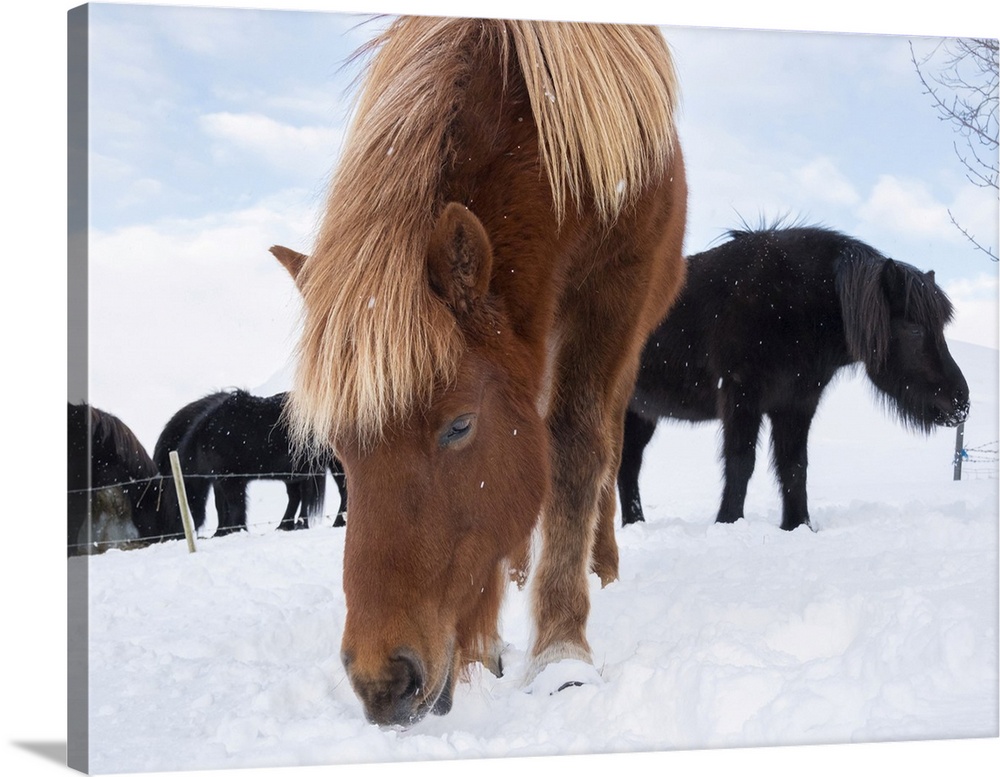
(397, 696)
(954, 415)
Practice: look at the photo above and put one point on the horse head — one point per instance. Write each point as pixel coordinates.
(916, 371)
(442, 498)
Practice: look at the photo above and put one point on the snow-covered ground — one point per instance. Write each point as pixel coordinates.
(880, 626)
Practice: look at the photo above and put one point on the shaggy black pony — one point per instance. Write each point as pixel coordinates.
(110, 477)
(763, 324)
(225, 440)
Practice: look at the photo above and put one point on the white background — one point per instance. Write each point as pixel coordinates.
(34, 292)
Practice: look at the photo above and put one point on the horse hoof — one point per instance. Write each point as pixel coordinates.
(493, 660)
(560, 675)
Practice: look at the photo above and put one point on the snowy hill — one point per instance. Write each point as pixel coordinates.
(879, 626)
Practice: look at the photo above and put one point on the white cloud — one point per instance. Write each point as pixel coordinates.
(821, 180)
(976, 309)
(730, 180)
(182, 307)
(982, 286)
(907, 207)
(282, 146)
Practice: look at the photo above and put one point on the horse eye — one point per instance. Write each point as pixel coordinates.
(459, 429)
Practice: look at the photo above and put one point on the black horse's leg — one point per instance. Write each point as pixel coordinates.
(233, 515)
(638, 433)
(238, 506)
(196, 490)
(79, 509)
(340, 520)
(740, 427)
(221, 508)
(294, 490)
(789, 437)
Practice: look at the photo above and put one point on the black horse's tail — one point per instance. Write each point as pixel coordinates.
(313, 495)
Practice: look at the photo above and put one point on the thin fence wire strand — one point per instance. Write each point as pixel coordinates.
(983, 460)
(243, 475)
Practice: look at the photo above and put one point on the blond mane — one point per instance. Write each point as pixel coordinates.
(375, 341)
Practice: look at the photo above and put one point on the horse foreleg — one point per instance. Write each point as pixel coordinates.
(560, 592)
(233, 514)
(585, 426)
(789, 438)
(339, 520)
(196, 490)
(294, 492)
(519, 563)
(740, 428)
(483, 642)
(638, 433)
(221, 505)
(604, 557)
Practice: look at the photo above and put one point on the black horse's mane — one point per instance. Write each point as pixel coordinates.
(870, 286)
(111, 430)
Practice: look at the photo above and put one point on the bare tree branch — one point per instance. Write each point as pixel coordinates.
(971, 239)
(964, 91)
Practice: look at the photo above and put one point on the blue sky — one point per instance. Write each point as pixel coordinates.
(214, 130)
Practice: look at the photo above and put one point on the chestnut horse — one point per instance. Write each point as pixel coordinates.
(503, 232)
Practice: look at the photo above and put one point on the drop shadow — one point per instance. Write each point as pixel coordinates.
(50, 751)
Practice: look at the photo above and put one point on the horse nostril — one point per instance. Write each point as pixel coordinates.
(408, 674)
(392, 689)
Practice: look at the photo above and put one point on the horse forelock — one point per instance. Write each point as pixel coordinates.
(867, 308)
(923, 300)
(123, 441)
(375, 340)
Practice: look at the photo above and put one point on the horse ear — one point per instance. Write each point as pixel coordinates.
(892, 279)
(291, 260)
(930, 277)
(459, 259)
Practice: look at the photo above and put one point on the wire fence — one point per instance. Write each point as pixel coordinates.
(971, 463)
(220, 476)
(168, 482)
(980, 462)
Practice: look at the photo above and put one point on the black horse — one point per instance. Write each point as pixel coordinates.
(110, 477)
(227, 439)
(763, 323)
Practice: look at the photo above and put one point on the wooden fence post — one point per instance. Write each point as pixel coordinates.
(175, 465)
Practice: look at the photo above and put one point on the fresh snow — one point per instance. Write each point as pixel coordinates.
(879, 626)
